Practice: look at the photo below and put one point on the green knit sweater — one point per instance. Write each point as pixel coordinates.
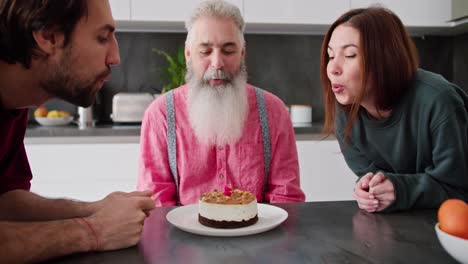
(422, 147)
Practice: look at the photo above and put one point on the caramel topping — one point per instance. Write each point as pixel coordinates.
(237, 197)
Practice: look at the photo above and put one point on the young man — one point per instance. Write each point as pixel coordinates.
(55, 48)
(217, 130)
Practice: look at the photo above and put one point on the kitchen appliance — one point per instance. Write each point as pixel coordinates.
(130, 107)
(85, 117)
(301, 115)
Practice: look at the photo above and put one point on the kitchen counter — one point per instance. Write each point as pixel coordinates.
(109, 133)
(314, 232)
(72, 135)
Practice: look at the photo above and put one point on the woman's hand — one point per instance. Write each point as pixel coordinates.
(382, 189)
(365, 200)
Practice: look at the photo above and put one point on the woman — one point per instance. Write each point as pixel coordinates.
(401, 129)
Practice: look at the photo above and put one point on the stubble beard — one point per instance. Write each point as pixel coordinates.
(63, 81)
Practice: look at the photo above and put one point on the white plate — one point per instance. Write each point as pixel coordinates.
(54, 121)
(186, 218)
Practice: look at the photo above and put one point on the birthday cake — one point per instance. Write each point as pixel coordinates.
(228, 209)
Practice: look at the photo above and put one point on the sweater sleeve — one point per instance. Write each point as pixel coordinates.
(356, 160)
(448, 175)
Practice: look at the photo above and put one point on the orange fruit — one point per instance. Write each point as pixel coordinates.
(41, 111)
(453, 217)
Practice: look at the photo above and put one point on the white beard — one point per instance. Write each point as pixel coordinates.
(217, 113)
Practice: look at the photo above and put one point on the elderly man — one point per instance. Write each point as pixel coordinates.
(217, 130)
(62, 49)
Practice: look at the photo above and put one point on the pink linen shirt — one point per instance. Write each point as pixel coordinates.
(202, 168)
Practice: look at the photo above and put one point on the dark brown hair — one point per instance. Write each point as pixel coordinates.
(389, 63)
(20, 18)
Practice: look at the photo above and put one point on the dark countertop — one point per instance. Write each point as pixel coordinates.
(315, 232)
(40, 134)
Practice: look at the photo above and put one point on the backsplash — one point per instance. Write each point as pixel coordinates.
(286, 65)
(460, 61)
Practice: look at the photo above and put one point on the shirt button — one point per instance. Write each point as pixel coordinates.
(220, 148)
(221, 176)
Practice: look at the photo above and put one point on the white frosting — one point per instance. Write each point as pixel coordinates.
(227, 212)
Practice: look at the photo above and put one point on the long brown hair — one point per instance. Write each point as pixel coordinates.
(20, 18)
(389, 63)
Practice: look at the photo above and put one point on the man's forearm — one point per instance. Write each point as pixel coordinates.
(26, 206)
(25, 242)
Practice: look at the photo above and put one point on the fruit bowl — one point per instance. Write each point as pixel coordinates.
(456, 247)
(54, 121)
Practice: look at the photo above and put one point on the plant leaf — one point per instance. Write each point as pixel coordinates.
(174, 73)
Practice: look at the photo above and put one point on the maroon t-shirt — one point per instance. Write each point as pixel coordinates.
(15, 172)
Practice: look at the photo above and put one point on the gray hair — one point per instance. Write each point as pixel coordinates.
(218, 9)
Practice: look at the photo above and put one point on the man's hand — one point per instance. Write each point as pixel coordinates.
(365, 200)
(383, 190)
(119, 217)
(112, 198)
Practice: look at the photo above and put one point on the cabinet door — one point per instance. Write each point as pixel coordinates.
(325, 176)
(459, 9)
(86, 172)
(294, 11)
(120, 9)
(170, 11)
(414, 13)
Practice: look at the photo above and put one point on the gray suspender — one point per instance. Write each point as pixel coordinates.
(263, 114)
(171, 138)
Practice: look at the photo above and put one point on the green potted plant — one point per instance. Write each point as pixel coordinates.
(174, 73)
